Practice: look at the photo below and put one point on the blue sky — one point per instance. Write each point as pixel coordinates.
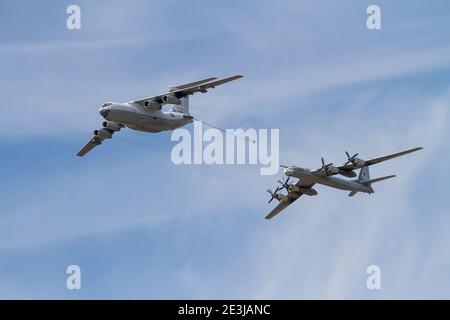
(141, 227)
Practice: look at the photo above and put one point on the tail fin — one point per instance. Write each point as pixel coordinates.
(183, 107)
(364, 178)
(364, 175)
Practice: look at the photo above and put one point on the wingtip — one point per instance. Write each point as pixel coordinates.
(236, 76)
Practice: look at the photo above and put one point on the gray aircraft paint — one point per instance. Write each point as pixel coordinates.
(307, 175)
(326, 176)
(147, 114)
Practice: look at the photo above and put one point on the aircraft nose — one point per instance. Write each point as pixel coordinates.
(103, 111)
(288, 171)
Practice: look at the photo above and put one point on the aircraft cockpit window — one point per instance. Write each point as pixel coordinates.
(107, 104)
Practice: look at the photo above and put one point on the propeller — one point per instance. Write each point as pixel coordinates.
(285, 184)
(273, 194)
(325, 166)
(351, 159)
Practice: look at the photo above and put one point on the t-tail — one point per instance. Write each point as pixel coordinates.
(183, 107)
(364, 178)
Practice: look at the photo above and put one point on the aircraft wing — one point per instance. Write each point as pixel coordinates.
(291, 197)
(365, 163)
(191, 84)
(281, 206)
(89, 146)
(391, 156)
(189, 89)
(97, 139)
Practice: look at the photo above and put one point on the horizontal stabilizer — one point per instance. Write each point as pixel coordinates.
(379, 179)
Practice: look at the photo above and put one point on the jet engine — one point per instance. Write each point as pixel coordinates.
(111, 125)
(152, 105)
(103, 133)
(170, 99)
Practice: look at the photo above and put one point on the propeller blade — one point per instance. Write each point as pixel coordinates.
(351, 159)
(273, 194)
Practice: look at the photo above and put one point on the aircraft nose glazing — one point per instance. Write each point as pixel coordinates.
(288, 172)
(103, 112)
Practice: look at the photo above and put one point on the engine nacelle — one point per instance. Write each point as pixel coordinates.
(152, 105)
(332, 170)
(281, 197)
(308, 191)
(103, 133)
(111, 125)
(170, 99)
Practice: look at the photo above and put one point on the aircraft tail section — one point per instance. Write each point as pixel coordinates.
(380, 179)
(364, 178)
(183, 107)
(364, 175)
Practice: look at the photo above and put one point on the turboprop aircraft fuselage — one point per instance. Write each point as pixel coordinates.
(326, 175)
(136, 117)
(309, 176)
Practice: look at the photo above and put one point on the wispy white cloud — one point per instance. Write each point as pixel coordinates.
(320, 247)
(51, 46)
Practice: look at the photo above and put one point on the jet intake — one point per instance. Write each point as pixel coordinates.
(152, 105)
(111, 125)
(103, 133)
(169, 99)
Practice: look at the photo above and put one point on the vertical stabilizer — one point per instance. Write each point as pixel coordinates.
(364, 175)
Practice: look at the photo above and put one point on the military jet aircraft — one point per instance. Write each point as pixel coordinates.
(324, 175)
(147, 115)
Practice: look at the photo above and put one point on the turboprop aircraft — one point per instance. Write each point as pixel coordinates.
(325, 175)
(146, 114)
